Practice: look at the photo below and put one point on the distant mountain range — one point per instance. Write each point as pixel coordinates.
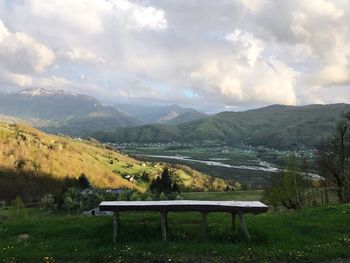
(276, 126)
(171, 115)
(64, 112)
(279, 126)
(58, 111)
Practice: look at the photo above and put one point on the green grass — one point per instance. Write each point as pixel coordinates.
(318, 234)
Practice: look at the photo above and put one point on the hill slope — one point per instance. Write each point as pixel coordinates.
(274, 126)
(34, 162)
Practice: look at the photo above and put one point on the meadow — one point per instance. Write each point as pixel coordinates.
(308, 235)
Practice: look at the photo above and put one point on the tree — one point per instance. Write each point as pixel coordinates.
(145, 177)
(156, 185)
(83, 182)
(18, 207)
(166, 181)
(334, 157)
(287, 189)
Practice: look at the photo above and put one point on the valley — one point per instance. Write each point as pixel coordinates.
(249, 166)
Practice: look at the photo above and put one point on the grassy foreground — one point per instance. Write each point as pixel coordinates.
(317, 234)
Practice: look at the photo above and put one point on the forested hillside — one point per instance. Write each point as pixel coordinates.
(276, 126)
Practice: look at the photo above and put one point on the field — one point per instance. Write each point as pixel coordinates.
(313, 234)
(251, 157)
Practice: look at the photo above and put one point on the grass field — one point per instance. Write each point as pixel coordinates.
(314, 234)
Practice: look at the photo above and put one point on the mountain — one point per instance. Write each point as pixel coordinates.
(171, 115)
(65, 112)
(276, 126)
(33, 163)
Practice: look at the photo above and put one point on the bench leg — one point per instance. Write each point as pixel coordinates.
(204, 225)
(115, 226)
(243, 226)
(163, 224)
(233, 223)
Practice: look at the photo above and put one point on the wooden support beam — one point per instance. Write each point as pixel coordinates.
(163, 224)
(166, 220)
(204, 224)
(115, 225)
(233, 223)
(243, 226)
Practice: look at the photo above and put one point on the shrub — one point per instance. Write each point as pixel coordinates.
(47, 204)
(125, 195)
(135, 196)
(162, 196)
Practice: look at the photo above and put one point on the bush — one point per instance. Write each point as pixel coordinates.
(162, 196)
(71, 201)
(136, 196)
(179, 197)
(125, 195)
(47, 204)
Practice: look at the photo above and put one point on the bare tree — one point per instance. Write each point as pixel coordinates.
(333, 156)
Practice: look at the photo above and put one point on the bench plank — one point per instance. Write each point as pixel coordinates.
(186, 205)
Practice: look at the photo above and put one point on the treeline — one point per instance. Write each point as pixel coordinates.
(276, 126)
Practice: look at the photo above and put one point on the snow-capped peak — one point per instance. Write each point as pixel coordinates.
(35, 92)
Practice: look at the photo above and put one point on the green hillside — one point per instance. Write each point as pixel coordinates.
(276, 126)
(33, 163)
(146, 133)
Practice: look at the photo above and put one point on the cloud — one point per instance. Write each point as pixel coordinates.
(248, 47)
(80, 55)
(253, 6)
(244, 53)
(15, 79)
(88, 17)
(21, 53)
(232, 82)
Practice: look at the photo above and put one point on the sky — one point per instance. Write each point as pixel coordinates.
(210, 55)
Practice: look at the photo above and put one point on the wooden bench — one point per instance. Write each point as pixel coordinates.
(204, 207)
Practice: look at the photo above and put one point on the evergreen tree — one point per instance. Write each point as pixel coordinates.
(166, 181)
(83, 182)
(156, 185)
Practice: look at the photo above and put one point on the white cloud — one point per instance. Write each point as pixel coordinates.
(81, 55)
(254, 6)
(15, 79)
(237, 83)
(235, 52)
(89, 17)
(20, 53)
(246, 45)
(134, 16)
